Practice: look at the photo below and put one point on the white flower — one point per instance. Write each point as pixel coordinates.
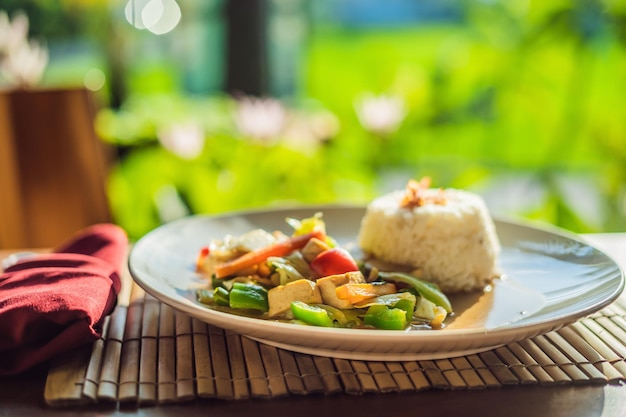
(184, 140)
(306, 132)
(380, 114)
(12, 33)
(260, 118)
(25, 64)
(21, 62)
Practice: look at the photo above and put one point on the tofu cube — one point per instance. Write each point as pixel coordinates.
(313, 248)
(327, 286)
(280, 298)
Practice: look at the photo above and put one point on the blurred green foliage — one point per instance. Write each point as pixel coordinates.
(520, 101)
(151, 184)
(524, 89)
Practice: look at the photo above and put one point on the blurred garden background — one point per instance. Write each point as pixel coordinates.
(220, 105)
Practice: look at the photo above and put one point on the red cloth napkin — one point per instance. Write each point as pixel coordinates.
(53, 303)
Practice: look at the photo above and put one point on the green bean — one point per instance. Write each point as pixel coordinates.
(425, 289)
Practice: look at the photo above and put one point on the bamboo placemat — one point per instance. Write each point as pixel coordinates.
(151, 354)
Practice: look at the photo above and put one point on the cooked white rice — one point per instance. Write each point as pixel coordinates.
(454, 245)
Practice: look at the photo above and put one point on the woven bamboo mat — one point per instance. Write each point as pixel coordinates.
(151, 354)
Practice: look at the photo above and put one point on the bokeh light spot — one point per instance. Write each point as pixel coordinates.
(94, 79)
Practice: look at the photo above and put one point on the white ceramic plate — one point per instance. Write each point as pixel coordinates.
(551, 279)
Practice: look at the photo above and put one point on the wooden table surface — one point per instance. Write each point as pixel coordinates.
(22, 395)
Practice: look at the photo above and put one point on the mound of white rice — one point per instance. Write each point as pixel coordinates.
(452, 244)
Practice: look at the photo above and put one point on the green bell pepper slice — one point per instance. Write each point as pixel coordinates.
(248, 296)
(385, 318)
(408, 306)
(311, 314)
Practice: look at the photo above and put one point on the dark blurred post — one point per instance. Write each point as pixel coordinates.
(117, 66)
(246, 47)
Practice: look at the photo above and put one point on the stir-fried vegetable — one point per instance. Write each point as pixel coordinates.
(427, 290)
(311, 314)
(252, 258)
(307, 225)
(332, 262)
(385, 318)
(248, 296)
(221, 296)
(357, 293)
(305, 278)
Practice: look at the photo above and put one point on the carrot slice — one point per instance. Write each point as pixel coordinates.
(356, 293)
(282, 248)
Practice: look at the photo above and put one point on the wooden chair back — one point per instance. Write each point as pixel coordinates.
(52, 167)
